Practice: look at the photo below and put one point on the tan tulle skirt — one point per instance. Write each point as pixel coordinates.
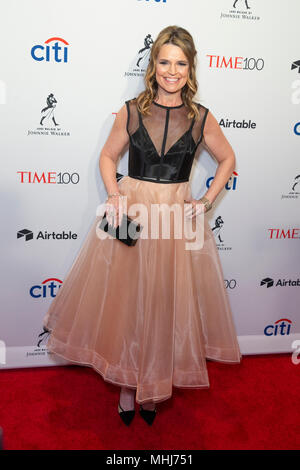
(148, 316)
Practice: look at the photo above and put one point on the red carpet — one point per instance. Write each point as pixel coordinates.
(252, 405)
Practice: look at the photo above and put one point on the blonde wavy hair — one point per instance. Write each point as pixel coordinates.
(182, 38)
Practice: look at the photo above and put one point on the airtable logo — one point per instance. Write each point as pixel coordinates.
(244, 124)
(49, 52)
(296, 65)
(295, 98)
(45, 235)
(269, 282)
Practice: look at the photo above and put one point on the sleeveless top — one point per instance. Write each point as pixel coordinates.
(162, 145)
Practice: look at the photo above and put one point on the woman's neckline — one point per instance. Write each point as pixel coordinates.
(168, 107)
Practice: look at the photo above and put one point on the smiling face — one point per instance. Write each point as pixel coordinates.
(172, 69)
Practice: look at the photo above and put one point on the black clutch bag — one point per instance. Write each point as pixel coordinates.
(127, 232)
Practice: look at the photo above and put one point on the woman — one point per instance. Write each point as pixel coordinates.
(147, 317)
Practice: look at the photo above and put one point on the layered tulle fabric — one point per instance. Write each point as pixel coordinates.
(148, 316)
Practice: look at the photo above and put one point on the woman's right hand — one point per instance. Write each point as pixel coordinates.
(115, 209)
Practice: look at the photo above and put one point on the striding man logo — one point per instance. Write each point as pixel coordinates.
(145, 51)
(217, 228)
(297, 181)
(43, 336)
(48, 111)
(246, 3)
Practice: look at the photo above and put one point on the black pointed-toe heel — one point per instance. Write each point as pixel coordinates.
(148, 415)
(126, 416)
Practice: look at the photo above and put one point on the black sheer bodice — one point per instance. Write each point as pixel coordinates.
(163, 145)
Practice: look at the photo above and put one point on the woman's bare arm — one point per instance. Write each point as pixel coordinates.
(115, 143)
(218, 145)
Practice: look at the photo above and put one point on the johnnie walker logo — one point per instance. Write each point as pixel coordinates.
(294, 191)
(217, 231)
(239, 10)
(48, 124)
(141, 60)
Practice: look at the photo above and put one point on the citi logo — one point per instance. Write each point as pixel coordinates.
(47, 288)
(269, 282)
(235, 63)
(280, 233)
(55, 49)
(230, 185)
(281, 327)
(297, 128)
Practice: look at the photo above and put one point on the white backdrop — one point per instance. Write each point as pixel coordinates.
(84, 57)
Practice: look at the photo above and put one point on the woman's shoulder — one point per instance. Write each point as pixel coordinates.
(200, 106)
(131, 101)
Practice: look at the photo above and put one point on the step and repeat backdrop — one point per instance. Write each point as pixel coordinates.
(66, 70)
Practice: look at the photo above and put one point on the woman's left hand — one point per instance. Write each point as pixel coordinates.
(193, 207)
